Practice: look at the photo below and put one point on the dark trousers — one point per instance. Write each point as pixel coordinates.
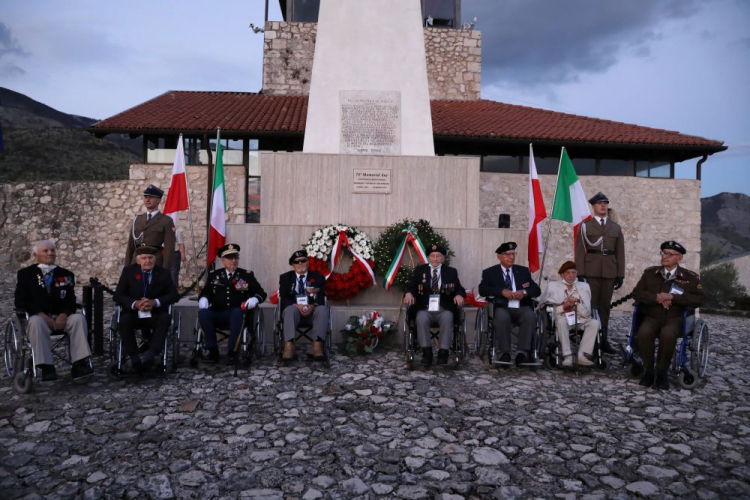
(648, 332)
(601, 297)
(210, 320)
(504, 318)
(158, 323)
(175, 271)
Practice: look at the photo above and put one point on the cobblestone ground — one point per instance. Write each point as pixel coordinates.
(366, 428)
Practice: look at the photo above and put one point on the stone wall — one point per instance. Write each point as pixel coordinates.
(454, 60)
(650, 211)
(90, 221)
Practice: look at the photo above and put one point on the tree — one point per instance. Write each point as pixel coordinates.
(720, 281)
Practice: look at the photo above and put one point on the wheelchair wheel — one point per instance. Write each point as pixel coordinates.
(408, 346)
(23, 382)
(12, 345)
(480, 329)
(259, 339)
(699, 355)
(327, 344)
(601, 364)
(278, 342)
(687, 378)
(113, 329)
(174, 349)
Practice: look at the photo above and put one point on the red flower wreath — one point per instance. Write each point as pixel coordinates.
(343, 286)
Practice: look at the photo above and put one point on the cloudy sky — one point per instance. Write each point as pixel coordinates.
(676, 64)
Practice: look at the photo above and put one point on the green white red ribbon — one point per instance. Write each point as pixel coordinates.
(410, 237)
(341, 242)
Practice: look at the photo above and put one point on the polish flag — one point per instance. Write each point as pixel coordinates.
(177, 196)
(537, 213)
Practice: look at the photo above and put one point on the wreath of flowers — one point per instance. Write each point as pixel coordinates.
(390, 241)
(364, 332)
(320, 246)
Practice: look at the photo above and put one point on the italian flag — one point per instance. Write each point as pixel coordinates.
(537, 213)
(218, 230)
(570, 201)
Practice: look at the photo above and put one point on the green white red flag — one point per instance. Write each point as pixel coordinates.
(410, 238)
(218, 229)
(571, 204)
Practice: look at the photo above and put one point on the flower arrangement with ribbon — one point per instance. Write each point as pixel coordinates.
(402, 245)
(324, 251)
(364, 332)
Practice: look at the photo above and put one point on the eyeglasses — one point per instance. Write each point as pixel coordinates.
(669, 254)
(300, 261)
(232, 257)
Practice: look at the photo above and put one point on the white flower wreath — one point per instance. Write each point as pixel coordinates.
(320, 244)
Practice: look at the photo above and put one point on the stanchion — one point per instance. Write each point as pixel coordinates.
(87, 304)
(98, 320)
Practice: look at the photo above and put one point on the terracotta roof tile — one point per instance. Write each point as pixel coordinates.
(246, 112)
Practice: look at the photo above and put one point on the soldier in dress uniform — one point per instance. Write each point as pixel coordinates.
(152, 229)
(228, 293)
(664, 292)
(600, 260)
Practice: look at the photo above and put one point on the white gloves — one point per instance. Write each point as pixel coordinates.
(203, 303)
(251, 303)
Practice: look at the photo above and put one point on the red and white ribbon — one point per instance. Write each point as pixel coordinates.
(341, 242)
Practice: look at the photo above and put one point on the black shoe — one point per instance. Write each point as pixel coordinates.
(81, 369)
(662, 381)
(520, 358)
(647, 380)
(442, 358)
(48, 373)
(212, 356)
(505, 358)
(135, 364)
(605, 347)
(426, 356)
(149, 358)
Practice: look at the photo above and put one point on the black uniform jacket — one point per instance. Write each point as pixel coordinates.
(420, 287)
(224, 293)
(130, 288)
(652, 283)
(493, 283)
(32, 296)
(288, 292)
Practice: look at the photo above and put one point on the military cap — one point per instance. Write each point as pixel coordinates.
(297, 255)
(146, 250)
(567, 265)
(230, 249)
(508, 245)
(598, 197)
(673, 245)
(152, 190)
(438, 249)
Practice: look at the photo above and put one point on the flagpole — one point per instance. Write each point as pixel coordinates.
(190, 218)
(549, 223)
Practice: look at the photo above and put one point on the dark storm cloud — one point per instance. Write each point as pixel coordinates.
(555, 41)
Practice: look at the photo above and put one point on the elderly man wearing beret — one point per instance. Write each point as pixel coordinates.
(512, 288)
(228, 293)
(664, 292)
(152, 229)
(145, 292)
(436, 292)
(302, 300)
(600, 260)
(572, 301)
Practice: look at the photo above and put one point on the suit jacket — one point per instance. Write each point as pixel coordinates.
(224, 293)
(32, 297)
(157, 233)
(288, 284)
(493, 283)
(555, 295)
(421, 282)
(598, 265)
(652, 283)
(130, 288)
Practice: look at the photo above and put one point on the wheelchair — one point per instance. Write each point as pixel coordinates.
(19, 357)
(304, 330)
(457, 352)
(690, 361)
(485, 338)
(167, 360)
(251, 340)
(551, 348)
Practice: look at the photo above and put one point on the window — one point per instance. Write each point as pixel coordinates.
(504, 164)
(442, 12)
(584, 166)
(544, 166)
(654, 169)
(616, 167)
(304, 11)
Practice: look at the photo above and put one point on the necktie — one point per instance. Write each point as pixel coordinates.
(434, 280)
(148, 217)
(146, 281)
(48, 281)
(301, 285)
(665, 273)
(602, 222)
(508, 282)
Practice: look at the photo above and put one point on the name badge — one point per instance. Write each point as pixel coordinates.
(302, 300)
(144, 314)
(514, 304)
(676, 290)
(434, 305)
(571, 317)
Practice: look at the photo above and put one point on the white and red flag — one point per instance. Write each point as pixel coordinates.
(537, 213)
(177, 196)
(218, 230)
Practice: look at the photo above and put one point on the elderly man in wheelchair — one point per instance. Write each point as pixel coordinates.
(664, 294)
(45, 293)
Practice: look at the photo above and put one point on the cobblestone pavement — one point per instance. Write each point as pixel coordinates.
(366, 428)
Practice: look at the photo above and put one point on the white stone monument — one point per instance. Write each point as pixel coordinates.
(369, 91)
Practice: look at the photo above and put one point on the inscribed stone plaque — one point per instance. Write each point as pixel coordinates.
(371, 181)
(370, 122)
